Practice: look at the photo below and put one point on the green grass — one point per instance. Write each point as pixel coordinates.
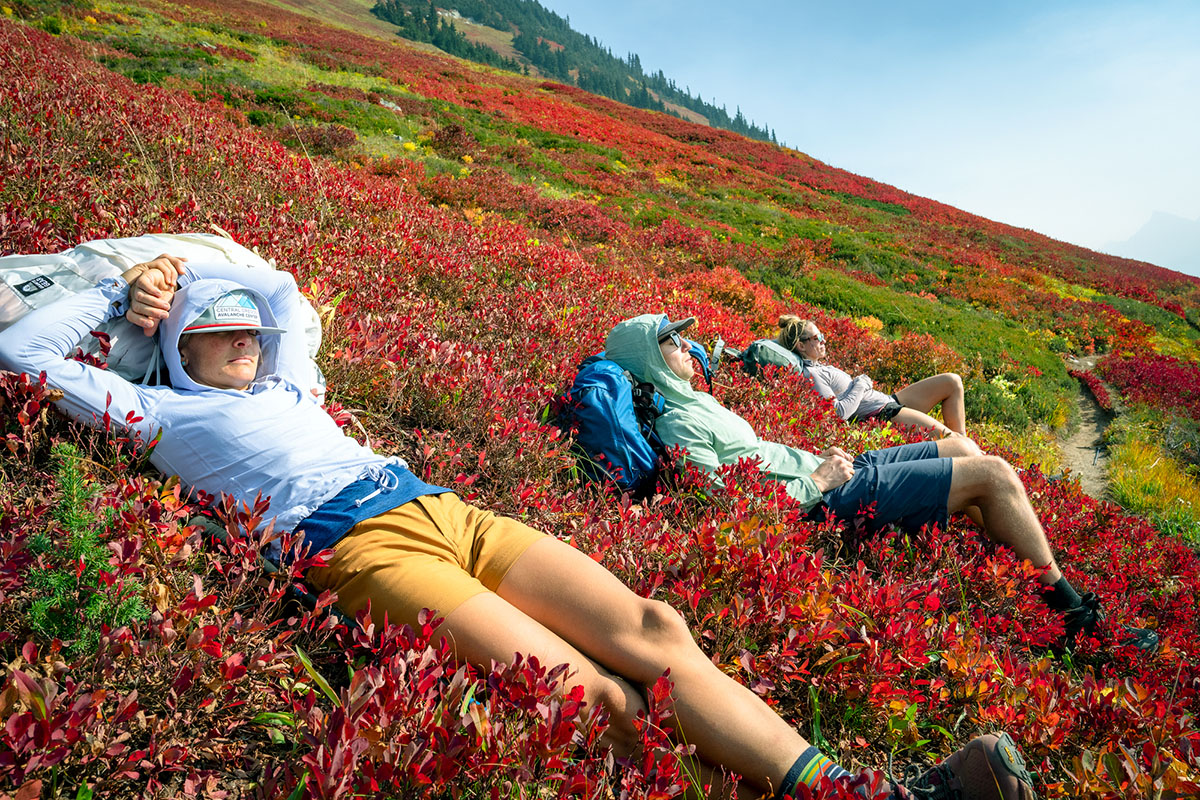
(1036, 443)
(547, 140)
(73, 602)
(1146, 474)
(866, 202)
(758, 220)
(1168, 325)
(273, 88)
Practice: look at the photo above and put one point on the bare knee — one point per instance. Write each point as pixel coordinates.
(661, 626)
(969, 447)
(949, 387)
(622, 702)
(982, 480)
(659, 640)
(654, 640)
(958, 447)
(1001, 475)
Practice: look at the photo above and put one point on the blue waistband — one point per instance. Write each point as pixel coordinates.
(388, 487)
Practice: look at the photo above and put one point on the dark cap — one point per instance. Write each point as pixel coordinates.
(666, 327)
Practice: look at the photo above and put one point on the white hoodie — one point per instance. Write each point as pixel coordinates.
(274, 438)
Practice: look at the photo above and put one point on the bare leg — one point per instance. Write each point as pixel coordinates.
(910, 416)
(558, 604)
(990, 483)
(947, 389)
(959, 447)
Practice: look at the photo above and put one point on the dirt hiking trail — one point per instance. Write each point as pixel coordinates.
(1084, 452)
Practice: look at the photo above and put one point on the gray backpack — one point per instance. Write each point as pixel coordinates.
(767, 351)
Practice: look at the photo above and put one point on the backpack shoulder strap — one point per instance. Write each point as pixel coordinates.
(648, 405)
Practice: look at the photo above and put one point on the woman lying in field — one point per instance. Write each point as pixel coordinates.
(801, 346)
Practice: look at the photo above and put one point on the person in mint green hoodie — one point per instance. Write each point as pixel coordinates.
(911, 485)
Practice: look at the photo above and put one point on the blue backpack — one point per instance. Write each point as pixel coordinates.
(614, 415)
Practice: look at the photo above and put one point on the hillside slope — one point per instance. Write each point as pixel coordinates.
(352, 15)
(1007, 301)
(470, 235)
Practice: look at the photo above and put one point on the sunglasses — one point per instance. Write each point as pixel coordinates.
(820, 337)
(674, 338)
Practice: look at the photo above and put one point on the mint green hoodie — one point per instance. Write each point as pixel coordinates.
(711, 434)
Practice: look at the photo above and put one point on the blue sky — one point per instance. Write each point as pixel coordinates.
(1075, 119)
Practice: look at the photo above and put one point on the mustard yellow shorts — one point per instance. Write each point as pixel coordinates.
(434, 552)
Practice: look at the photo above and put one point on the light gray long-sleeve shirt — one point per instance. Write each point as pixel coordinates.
(850, 395)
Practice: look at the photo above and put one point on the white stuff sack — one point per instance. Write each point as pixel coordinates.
(33, 281)
(29, 282)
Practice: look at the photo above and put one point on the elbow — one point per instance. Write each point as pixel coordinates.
(287, 283)
(18, 353)
(10, 355)
(289, 288)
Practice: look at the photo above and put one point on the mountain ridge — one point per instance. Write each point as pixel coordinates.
(1165, 238)
(545, 42)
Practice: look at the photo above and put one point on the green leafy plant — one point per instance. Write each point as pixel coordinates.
(75, 599)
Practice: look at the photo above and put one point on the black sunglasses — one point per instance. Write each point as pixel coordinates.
(673, 337)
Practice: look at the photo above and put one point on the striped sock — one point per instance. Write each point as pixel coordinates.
(809, 769)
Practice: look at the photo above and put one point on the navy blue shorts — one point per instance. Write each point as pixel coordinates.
(909, 485)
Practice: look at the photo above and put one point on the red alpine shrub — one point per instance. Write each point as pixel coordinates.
(1095, 386)
(1164, 382)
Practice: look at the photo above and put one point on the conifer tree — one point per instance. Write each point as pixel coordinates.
(594, 64)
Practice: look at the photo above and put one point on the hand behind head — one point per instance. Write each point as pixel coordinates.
(151, 289)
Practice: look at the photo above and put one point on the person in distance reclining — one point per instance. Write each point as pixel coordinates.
(239, 419)
(800, 345)
(911, 485)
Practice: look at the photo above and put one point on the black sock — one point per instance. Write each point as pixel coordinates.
(1061, 595)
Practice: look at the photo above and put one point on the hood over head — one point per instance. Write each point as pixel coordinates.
(192, 301)
(633, 345)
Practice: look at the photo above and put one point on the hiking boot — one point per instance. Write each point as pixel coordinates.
(990, 767)
(1088, 615)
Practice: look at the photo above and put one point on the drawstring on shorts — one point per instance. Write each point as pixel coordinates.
(385, 480)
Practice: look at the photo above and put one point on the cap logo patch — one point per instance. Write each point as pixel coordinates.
(236, 308)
